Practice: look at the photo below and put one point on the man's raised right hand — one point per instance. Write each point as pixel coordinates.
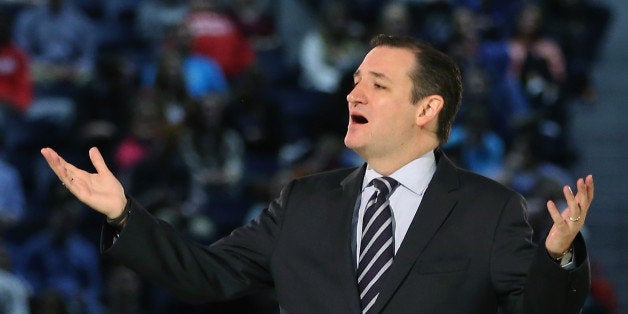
(100, 191)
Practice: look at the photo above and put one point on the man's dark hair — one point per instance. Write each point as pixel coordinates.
(435, 73)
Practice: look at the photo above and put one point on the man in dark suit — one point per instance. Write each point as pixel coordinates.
(408, 232)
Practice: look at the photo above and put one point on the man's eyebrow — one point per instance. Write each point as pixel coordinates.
(379, 75)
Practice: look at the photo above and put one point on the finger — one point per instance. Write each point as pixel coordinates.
(585, 194)
(98, 161)
(572, 204)
(55, 162)
(582, 198)
(554, 213)
(71, 177)
(590, 187)
(51, 157)
(67, 172)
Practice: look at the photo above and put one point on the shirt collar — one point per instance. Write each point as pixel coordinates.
(407, 175)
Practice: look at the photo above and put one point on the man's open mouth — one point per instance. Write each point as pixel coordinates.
(358, 119)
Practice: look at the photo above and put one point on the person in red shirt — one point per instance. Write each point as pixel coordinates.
(16, 90)
(217, 36)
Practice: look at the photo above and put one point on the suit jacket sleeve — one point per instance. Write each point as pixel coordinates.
(231, 267)
(548, 288)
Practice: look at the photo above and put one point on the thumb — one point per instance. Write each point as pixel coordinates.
(98, 161)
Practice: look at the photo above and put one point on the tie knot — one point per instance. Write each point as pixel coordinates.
(385, 185)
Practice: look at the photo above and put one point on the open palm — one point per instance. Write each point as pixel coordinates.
(101, 190)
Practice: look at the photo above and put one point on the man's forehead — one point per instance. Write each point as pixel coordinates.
(386, 63)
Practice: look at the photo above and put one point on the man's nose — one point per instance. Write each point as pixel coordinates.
(355, 96)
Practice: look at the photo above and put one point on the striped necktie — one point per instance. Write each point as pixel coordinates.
(376, 247)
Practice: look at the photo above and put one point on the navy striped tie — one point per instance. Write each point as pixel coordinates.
(376, 247)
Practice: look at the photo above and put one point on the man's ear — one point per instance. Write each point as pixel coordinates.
(428, 109)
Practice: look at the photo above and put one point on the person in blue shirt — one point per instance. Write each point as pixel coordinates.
(201, 75)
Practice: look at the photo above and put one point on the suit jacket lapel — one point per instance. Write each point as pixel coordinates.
(342, 200)
(436, 205)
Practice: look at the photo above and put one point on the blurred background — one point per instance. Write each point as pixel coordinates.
(205, 108)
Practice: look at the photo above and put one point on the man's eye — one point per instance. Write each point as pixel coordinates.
(378, 86)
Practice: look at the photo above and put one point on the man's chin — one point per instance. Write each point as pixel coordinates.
(349, 142)
(353, 145)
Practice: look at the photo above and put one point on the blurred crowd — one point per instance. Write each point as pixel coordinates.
(205, 108)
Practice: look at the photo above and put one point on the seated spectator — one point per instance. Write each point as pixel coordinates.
(536, 59)
(180, 76)
(529, 162)
(14, 291)
(486, 86)
(331, 48)
(16, 90)
(54, 36)
(580, 28)
(104, 105)
(495, 17)
(13, 206)
(294, 19)
(59, 259)
(480, 149)
(257, 116)
(539, 65)
(395, 19)
(155, 18)
(118, 19)
(433, 21)
(61, 41)
(257, 21)
(216, 35)
(168, 92)
(150, 144)
(213, 153)
(202, 76)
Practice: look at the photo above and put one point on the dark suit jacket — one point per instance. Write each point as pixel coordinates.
(468, 250)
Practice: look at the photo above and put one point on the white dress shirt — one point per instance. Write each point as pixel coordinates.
(413, 180)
